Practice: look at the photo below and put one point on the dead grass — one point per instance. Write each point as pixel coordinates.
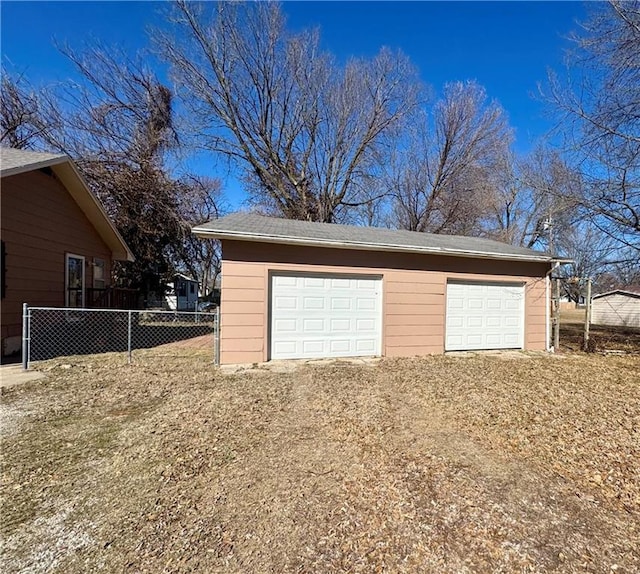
(603, 339)
(438, 464)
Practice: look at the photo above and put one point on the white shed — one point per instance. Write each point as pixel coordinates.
(182, 293)
(616, 309)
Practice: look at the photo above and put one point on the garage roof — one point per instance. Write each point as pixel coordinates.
(627, 293)
(252, 227)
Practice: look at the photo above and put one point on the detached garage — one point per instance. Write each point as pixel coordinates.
(295, 289)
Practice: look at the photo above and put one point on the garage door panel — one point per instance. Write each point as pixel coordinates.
(339, 346)
(455, 340)
(284, 347)
(340, 283)
(365, 325)
(484, 316)
(285, 303)
(331, 317)
(312, 346)
(311, 325)
(365, 285)
(366, 304)
(341, 304)
(474, 339)
(340, 325)
(366, 346)
(311, 282)
(313, 303)
(456, 303)
(494, 339)
(284, 281)
(285, 325)
(474, 321)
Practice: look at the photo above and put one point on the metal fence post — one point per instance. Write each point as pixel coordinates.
(25, 336)
(216, 337)
(587, 316)
(129, 337)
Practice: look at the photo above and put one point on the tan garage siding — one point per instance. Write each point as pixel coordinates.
(242, 320)
(414, 288)
(414, 312)
(535, 314)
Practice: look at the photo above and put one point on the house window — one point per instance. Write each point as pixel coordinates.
(99, 281)
(182, 289)
(74, 280)
(192, 288)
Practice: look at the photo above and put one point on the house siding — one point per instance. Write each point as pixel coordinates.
(414, 294)
(616, 310)
(40, 223)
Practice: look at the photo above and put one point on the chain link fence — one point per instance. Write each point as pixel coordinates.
(49, 332)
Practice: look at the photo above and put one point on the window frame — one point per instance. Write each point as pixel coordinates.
(67, 301)
(99, 263)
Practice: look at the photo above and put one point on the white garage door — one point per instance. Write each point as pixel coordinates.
(484, 316)
(325, 316)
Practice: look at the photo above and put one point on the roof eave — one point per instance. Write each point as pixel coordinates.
(205, 233)
(33, 166)
(614, 291)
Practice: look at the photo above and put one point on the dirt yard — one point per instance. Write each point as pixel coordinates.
(603, 339)
(440, 464)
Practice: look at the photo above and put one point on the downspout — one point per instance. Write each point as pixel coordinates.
(547, 281)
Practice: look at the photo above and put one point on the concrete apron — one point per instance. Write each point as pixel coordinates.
(288, 366)
(11, 375)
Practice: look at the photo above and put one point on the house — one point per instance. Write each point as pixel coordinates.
(617, 308)
(295, 289)
(182, 293)
(58, 243)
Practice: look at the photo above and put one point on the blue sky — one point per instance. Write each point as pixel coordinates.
(506, 46)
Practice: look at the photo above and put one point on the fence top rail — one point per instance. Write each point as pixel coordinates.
(154, 311)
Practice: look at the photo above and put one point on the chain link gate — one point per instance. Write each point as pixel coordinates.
(49, 332)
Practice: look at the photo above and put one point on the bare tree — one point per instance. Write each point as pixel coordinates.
(441, 180)
(23, 111)
(600, 117)
(118, 128)
(201, 201)
(534, 203)
(590, 254)
(302, 128)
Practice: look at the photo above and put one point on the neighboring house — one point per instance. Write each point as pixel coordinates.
(58, 243)
(616, 309)
(294, 289)
(182, 293)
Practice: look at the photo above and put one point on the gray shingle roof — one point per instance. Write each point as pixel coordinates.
(13, 161)
(628, 292)
(251, 227)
